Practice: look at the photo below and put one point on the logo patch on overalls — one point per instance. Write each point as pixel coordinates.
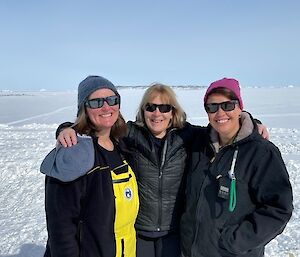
(128, 193)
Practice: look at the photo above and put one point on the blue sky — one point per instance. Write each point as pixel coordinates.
(53, 45)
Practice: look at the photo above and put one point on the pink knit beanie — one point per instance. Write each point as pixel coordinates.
(230, 84)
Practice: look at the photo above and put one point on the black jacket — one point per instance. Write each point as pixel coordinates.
(81, 214)
(264, 199)
(161, 183)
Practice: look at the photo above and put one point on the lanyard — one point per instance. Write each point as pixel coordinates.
(232, 195)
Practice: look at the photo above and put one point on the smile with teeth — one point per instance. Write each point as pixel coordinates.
(222, 120)
(106, 115)
(156, 121)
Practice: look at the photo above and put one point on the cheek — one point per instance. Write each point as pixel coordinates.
(116, 110)
(89, 112)
(146, 115)
(92, 112)
(115, 107)
(236, 114)
(210, 117)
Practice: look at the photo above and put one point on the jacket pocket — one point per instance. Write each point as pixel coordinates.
(122, 248)
(122, 180)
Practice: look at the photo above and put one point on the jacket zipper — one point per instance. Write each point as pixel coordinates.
(163, 159)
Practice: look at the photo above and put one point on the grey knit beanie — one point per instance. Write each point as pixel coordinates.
(90, 85)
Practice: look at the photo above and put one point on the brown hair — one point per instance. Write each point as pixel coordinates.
(168, 96)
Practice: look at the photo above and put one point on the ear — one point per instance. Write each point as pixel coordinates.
(239, 110)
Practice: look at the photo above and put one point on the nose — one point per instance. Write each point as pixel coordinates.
(157, 111)
(105, 105)
(220, 110)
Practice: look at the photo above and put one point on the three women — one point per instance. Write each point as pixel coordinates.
(159, 143)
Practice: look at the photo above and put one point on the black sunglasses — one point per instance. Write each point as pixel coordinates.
(99, 102)
(226, 106)
(163, 108)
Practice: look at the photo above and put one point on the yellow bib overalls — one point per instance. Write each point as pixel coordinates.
(127, 204)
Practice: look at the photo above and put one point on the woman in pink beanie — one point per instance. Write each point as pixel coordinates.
(239, 196)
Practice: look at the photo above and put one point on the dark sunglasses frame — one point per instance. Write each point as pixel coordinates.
(226, 106)
(99, 102)
(163, 108)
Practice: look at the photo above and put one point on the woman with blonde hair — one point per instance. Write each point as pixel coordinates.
(159, 140)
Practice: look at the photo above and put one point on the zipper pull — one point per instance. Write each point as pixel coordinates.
(231, 171)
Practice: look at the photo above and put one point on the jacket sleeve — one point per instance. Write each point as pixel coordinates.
(62, 203)
(62, 126)
(271, 192)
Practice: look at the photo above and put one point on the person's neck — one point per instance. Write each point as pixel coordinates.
(105, 141)
(228, 139)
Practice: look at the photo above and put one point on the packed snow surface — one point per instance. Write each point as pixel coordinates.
(28, 121)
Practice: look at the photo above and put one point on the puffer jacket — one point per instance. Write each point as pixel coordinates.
(161, 184)
(263, 197)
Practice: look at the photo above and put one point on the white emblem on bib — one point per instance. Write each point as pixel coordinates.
(128, 193)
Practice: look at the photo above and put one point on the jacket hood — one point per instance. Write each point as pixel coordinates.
(69, 163)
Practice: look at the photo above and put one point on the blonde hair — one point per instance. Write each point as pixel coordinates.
(83, 125)
(168, 96)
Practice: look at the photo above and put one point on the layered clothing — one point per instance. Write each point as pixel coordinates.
(91, 206)
(262, 201)
(160, 174)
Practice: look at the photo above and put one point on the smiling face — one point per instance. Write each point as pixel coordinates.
(103, 118)
(156, 121)
(226, 123)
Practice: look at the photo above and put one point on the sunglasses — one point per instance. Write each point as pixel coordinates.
(226, 106)
(99, 102)
(163, 108)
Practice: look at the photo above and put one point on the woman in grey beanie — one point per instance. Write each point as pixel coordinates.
(91, 192)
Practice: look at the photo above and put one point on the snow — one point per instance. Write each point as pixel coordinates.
(27, 126)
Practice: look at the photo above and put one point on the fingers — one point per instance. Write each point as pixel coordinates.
(67, 137)
(73, 137)
(263, 131)
(61, 139)
(265, 134)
